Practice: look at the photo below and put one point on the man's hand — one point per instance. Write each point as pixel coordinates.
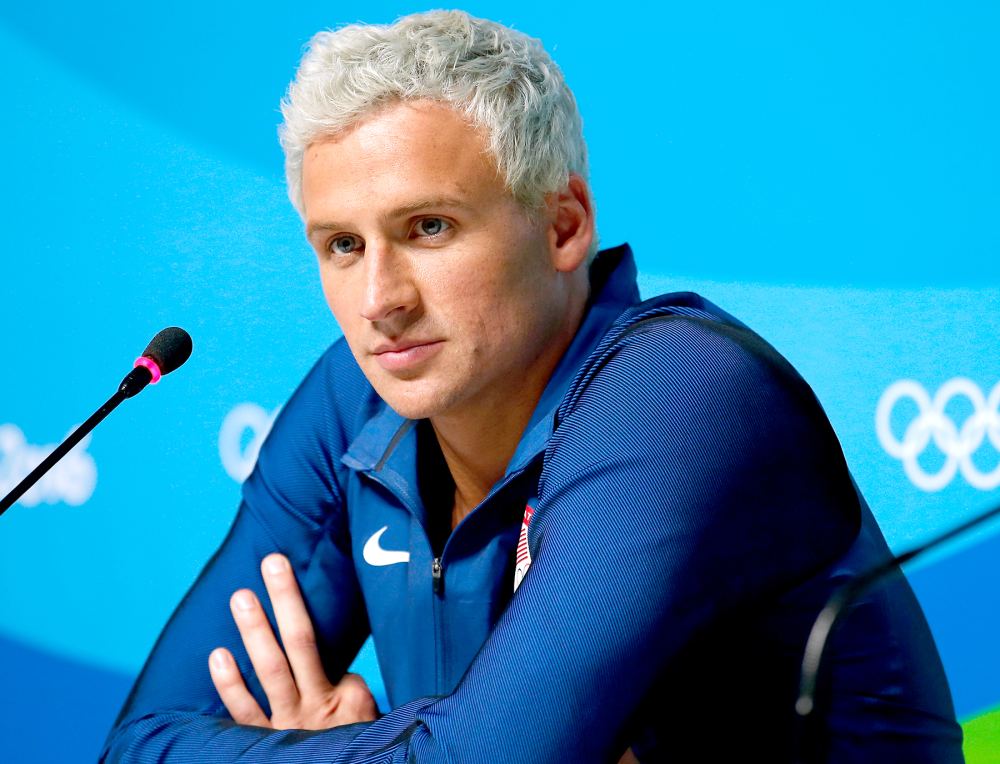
(628, 758)
(297, 688)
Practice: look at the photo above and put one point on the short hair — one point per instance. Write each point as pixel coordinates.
(500, 79)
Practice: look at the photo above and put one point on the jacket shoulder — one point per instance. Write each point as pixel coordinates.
(682, 339)
(299, 462)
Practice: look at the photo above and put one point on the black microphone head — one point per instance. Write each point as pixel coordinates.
(169, 348)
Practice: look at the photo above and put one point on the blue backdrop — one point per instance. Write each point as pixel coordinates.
(836, 163)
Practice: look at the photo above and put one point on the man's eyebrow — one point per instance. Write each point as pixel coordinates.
(398, 212)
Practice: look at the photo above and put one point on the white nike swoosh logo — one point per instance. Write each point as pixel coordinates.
(376, 555)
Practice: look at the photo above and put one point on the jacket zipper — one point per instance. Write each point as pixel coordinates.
(437, 564)
(436, 571)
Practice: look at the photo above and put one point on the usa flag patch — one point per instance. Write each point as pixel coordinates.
(523, 559)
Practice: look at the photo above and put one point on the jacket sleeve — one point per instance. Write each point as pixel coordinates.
(292, 503)
(685, 463)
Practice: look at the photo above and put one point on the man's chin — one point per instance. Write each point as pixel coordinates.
(411, 399)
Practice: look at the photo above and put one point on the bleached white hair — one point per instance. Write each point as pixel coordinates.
(502, 81)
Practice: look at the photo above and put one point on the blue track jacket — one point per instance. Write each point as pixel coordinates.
(686, 510)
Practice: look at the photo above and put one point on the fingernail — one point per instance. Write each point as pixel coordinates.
(219, 659)
(244, 600)
(276, 564)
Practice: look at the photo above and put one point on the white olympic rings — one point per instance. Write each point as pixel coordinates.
(957, 443)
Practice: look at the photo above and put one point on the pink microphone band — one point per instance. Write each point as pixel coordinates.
(150, 364)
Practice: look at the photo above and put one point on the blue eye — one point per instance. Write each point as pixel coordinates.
(432, 226)
(344, 244)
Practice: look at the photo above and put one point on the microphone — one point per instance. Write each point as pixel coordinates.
(168, 350)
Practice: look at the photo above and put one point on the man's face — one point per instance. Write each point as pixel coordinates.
(444, 287)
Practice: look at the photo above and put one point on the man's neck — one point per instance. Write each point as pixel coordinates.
(477, 450)
(479, 440)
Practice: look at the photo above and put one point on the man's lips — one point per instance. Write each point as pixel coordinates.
(395, 347)
(400, 356)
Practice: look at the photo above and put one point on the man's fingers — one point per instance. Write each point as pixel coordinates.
(355, 700)
(265, 653)
(228, 681)
(294, 625)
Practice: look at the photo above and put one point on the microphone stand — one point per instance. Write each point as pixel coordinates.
(134, 382)
(825, 623)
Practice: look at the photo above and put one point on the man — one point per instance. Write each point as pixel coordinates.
(660, 487)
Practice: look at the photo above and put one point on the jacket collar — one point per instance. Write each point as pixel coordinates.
(387, 442)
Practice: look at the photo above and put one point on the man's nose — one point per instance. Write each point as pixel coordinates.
(389, 288)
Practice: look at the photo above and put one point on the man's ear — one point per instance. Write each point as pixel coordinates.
(571, 228)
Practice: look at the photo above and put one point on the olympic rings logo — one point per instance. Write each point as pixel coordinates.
(957, 443)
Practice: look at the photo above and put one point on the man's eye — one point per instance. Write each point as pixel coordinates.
(344, 245)
(432, 226)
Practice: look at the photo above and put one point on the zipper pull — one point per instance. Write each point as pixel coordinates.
(436, 571)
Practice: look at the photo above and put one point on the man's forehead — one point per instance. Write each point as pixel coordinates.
(407, 122)
(401, 159)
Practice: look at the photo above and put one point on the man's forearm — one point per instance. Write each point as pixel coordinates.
(176, 737)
